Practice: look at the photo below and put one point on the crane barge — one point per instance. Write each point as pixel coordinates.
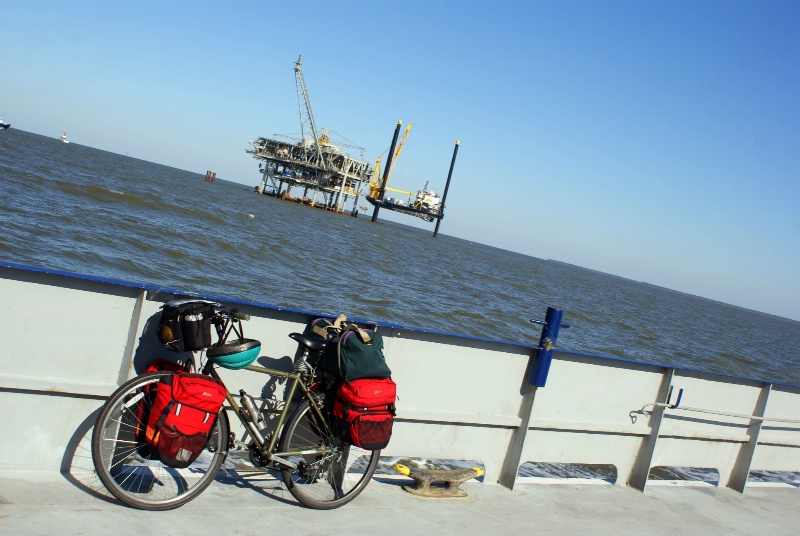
(425, 204)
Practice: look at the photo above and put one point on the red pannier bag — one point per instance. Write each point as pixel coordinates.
(367, 407)
(145, 405)
(185, 408)
(157, 365)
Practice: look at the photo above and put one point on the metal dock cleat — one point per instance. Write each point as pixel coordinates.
(423, 478)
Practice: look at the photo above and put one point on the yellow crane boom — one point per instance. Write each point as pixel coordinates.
(400, 191)
(376, 181)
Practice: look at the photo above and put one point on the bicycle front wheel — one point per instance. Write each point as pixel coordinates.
(324, 481)
(126, 466)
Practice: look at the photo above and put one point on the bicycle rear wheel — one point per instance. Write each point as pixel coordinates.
(324, 481)
(126, 466)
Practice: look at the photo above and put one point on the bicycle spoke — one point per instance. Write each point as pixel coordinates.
(324, 481)
(127, 467)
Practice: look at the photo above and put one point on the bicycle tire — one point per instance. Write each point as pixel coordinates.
(125, 465)
(324, 483)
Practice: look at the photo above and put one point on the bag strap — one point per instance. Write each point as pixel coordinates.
(167, 409)
(337, 325)
(339, 322)
(363, 335)
(380, 408)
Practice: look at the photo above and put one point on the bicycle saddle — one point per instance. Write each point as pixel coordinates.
(312, 342)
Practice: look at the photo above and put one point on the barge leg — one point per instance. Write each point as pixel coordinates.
(446, 187)
(386, 171)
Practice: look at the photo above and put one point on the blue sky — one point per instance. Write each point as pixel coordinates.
(655, 140)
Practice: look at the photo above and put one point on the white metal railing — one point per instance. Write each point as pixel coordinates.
(68, 341)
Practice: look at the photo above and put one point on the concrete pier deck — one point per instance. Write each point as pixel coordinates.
(257, 504)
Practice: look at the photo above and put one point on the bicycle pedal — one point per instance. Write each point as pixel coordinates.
(238, 445)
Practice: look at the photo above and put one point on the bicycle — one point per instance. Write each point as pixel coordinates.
(309, 447)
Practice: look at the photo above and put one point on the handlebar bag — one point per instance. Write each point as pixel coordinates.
(367, 407)
(185, 325)
(184, 411)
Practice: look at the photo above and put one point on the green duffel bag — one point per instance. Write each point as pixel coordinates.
(358, 353)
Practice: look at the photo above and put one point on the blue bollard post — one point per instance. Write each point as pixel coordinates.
(547, 343)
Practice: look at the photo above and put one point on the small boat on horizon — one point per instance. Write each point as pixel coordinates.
(3, 124)
(64, 137)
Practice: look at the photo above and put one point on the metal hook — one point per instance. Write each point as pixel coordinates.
(677, 401)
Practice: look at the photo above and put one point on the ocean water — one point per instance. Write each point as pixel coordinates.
(79, 209)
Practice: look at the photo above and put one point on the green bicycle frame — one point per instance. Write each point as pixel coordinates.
(267, 450)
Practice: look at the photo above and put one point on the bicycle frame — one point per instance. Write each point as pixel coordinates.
(305, 442)
(268, 449)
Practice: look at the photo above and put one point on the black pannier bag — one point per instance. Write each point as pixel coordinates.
(185, 325)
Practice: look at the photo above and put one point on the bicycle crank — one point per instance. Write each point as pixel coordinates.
(257, 458)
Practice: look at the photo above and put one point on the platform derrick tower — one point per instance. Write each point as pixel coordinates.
(313, 163)
(312, 148)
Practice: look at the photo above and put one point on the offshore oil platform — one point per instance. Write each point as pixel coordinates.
(311, 162)
(330, 177)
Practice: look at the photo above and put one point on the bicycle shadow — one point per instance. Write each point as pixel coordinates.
(267, 483)
(77, 468)
(283, 364)
(76, 463)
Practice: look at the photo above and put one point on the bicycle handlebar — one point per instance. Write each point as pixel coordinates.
(222, 316)
(233, 314)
